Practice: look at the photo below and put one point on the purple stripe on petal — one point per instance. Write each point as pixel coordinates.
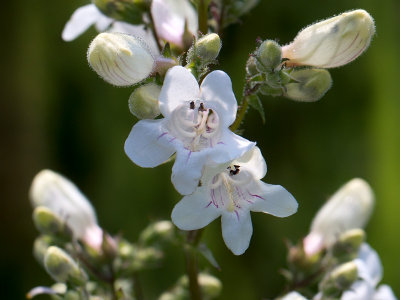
(237, 215)
(255, 195)
(161, 135)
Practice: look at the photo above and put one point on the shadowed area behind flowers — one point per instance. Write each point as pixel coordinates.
(56, 113)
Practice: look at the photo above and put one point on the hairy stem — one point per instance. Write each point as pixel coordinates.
(202, 10)
(193, 238)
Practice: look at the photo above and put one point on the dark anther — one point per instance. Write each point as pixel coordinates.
(191, 105)
(202, 108)
(234, 172)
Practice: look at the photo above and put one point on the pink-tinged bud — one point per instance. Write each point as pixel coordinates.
(349, 208)
(333, 42)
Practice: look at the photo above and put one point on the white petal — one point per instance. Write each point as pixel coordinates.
(231, 146)
(237, 230)
(147, 145)
(216, 90)
(187, 169)
(169, 18)
(360, 290)
(293, 296)
(102, 23)
(63, 198)
(273, 199)
(80, 21)
(194, 212)
(384, 292)
(253, 162)
(369, 265)
(179, 87)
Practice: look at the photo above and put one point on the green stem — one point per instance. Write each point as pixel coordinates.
(193, 238)
(202, 10)
(137, 287)
(240, 114)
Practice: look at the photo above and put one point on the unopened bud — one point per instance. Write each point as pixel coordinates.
(310, 85)
(143, 102)
(72, 295)
(348, 244)
(350, 207)
(251, 66)
(210, 286)
(145, 258)
(269, 56)
(62, 268)
(129, 11)
(333, 42)
(64, 199)
(49, 223)
(40, 246)
(208, 47)
(340, 279)
(120, 59)
(157, 232)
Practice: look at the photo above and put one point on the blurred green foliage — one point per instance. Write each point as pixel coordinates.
(56, 113)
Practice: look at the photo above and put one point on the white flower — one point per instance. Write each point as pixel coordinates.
(333, 42)
(196, 127)
(120, 59)
(370, 273)
(232, 190)
(169, 19)
(88, 15)
(64, 199)
(349, 208)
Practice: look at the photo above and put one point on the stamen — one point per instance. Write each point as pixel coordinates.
(191, 105)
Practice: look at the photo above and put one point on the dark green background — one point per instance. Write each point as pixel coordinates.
(56, 113)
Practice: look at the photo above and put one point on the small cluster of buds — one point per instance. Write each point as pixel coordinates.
(298, 71)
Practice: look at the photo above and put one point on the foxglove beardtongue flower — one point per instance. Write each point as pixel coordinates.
(370, 273)
(333, 42)
(120, 59)
(196, 127)
(232, 190)
(169, 19)
(349, 208)
(64, 199)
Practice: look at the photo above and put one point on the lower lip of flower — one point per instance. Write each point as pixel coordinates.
(195, 125)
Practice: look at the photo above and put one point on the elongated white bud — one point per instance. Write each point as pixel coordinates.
(120, 59)
(349, 208)
(64, 199)
(333, 42)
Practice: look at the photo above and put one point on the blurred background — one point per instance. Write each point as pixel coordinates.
(56, 113)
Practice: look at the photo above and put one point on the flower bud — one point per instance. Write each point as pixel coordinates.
(208, 47)
(63, 199)
(49, 223)
(269, 56)
(251, 66)
(350, 207)
(72, 295)
(157, 232)
(120, 59)
(62, 268)
(145, 258)
(40, 246)
(128, 11)
(347, 246)
(143, 102)
(310, 85)
(333, 42)
(340, 279)
(210, 286)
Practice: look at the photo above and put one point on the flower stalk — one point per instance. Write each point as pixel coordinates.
(192, 240)
(202, 10)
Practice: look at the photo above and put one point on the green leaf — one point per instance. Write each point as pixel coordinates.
(255, 102)
(206, 252)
